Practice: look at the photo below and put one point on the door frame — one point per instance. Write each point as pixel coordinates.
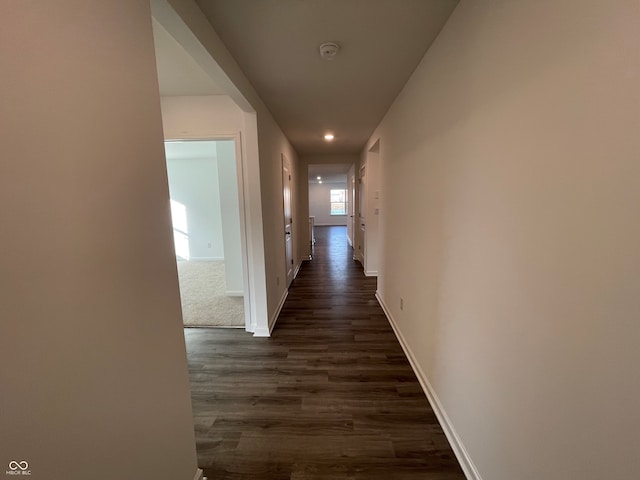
(236, 137)
(360, 235)
(289, 262)
(352, 208)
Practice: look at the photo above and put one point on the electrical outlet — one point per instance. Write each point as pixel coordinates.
(402, 304)
(209, 245)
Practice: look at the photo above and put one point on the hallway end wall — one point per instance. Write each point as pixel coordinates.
(320, 203)
(303, 186)
(511, 233)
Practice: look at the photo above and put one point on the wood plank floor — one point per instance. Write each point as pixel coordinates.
(330, 395)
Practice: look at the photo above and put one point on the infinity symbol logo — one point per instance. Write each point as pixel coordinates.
(23, 465)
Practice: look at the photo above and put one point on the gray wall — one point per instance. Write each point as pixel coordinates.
(194, 183)
(509, 222)
(320, 203)
(92, 359)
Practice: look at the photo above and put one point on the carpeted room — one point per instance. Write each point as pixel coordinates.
(205, 215)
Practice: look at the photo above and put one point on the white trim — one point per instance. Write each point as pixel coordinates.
(285, 165)
(276, 314)
(234, 293)
(469, 469)
(371, 273)
(295, 273)
(262, 332)
(245, 241)
(199, 475)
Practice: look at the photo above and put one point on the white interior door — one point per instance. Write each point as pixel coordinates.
(288, 219)
(351, 210)
(362, 208)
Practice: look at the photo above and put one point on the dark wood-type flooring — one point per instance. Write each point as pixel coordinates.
(330, 396)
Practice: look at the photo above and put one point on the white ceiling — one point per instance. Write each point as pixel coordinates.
(330, 172)
(276, 42)
(178, 72)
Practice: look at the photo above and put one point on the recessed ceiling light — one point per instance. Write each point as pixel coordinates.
(319, 178)
(328, 137)
(319, 181)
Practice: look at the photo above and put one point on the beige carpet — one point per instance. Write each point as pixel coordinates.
(204, 299)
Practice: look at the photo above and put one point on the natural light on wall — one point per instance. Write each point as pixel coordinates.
(180, 230)
(338, 202)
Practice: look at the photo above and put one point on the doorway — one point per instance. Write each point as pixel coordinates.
(288, 219)
(330, 196)
(351, 206)
(368, 240)
(362, 214)
(205, 211)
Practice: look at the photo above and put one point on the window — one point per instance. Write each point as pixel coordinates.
(338, 202)
(180, 231)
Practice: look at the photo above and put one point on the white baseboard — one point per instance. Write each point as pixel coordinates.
(261, 332)
(206, 259)
(234, 293)
(199, 475)
(274, 318)
(295, 273)
(469, 469)
(370, 273)
(266, 332)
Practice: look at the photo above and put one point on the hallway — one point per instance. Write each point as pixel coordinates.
(330, 395)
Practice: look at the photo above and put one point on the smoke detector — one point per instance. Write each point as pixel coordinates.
(328, 50)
